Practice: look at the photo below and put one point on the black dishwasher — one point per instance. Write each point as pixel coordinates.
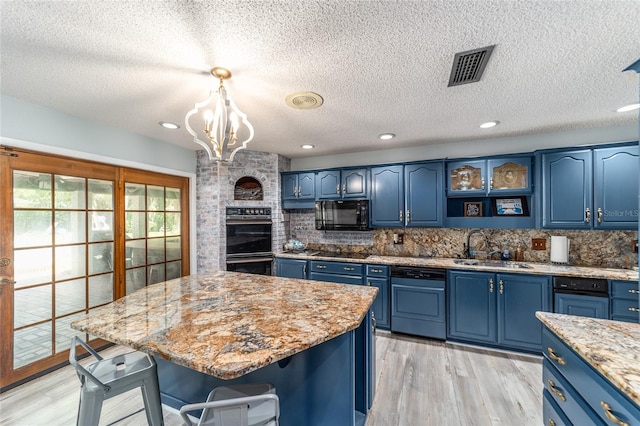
(417, 301)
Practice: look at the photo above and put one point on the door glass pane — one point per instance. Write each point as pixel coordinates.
(155, 198)
(100, 258)
(101, 226)
(70, 192)
(70, 296)
(173, 270)
(70, 262)
(172, 224)
(31, 228)
(31, 190)
(64, 332)
(155, 250)
(173, 248)
(135, 225)
(155, 224)
(70, 227)
(32, 266)
(134, 196)
(32, 305)
(135, 253)
(31, 344)
(100, 289)
(100, 194)
(173, 199)
(156, 274)
(135, 279)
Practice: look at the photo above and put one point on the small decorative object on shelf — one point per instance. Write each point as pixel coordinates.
(472, 209)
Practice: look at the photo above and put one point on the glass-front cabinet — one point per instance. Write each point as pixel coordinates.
(497, 176)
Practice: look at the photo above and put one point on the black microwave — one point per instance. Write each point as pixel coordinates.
(342, 215)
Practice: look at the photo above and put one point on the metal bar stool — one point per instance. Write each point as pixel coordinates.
(237, 405)
(107, 378)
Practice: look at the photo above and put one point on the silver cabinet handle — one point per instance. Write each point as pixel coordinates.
(337, 188)
(400, 215)
(344, 189)
(501, 287)
(408, 216)
(482, 183)
(491, 183)
(491, 285)
(587, 215)
(599, 215)
(346, 268)
(634, 309)
(632, 291)
(321, 267)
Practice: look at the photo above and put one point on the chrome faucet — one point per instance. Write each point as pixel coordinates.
(467, 247)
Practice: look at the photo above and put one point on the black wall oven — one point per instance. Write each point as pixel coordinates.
(249, 237)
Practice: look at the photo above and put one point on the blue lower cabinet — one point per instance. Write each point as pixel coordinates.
(497, 309)
(552, 414)
(291, 268)
(581, 305)
(378, 276)
(624, 300)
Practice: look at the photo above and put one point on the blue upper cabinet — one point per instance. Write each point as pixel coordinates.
(410, 195)
(346, 183)
(567, 190)
(298, 190)
(424, 194)
(590, 189)
(387, 197)
(615, 187)
(496, 176)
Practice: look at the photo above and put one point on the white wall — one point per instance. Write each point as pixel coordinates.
(24, 121)
(484, 147)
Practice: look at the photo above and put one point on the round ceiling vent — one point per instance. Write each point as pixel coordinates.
(304, 100)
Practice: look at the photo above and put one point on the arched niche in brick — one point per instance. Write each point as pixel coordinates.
(248, 188)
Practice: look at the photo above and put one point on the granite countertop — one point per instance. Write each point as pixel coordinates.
(448, 263)
(227, 324)
(611, 347)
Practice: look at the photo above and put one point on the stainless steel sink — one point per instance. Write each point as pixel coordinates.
(491, 263)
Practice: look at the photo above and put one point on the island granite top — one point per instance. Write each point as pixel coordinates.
(612, 348)
(447, 263)
(227, 324)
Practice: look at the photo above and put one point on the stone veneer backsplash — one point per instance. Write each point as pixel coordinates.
(609, 249)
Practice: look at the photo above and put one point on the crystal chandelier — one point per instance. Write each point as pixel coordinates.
(220, 122)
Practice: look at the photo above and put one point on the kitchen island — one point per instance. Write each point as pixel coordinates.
(227, 328)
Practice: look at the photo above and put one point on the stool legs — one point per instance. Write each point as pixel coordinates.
(89, 409)
(152, 403)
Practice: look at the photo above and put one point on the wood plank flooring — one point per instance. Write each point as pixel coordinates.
(419, 382)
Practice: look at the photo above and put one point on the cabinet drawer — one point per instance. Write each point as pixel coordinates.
(552, 415)
(377, 271)
(599, 394)
(337, 267)
(624, 290)
(336, 278)
(566, 397)
(624, 308)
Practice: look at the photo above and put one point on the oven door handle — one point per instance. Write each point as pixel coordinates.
(249, 222)
(250, 260)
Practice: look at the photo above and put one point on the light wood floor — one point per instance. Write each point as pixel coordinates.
(420, 382)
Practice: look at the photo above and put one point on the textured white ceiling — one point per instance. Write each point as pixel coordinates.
(381, 66)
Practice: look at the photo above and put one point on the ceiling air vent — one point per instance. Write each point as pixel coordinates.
(468, 66)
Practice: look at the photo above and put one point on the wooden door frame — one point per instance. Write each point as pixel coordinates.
(60, 164)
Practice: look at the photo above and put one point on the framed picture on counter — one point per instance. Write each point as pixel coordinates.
(514, 206)
(473, 209)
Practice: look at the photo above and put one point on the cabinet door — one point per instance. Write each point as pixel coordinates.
(328, 184)
(306, 186)
(467, 178)
(519, 297)
(387, 197)
(354, 183)
(380, 306)
(567, 195)
(289, 186)
(292, 268)
(615, 177)
(510, 176)
(584, 306)
(472, 306)
(424, 194)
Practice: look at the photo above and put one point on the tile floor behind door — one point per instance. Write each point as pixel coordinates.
(420, 382)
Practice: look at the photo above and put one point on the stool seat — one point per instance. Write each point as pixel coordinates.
(107, 378)
(237, 405)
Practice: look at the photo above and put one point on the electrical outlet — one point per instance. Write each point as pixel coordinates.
(538, 244)
(398, 238)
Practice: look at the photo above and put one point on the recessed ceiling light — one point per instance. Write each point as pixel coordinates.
(628, 108)
(308, 146)
(168, 125)
(386, 136)
(489, 124)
